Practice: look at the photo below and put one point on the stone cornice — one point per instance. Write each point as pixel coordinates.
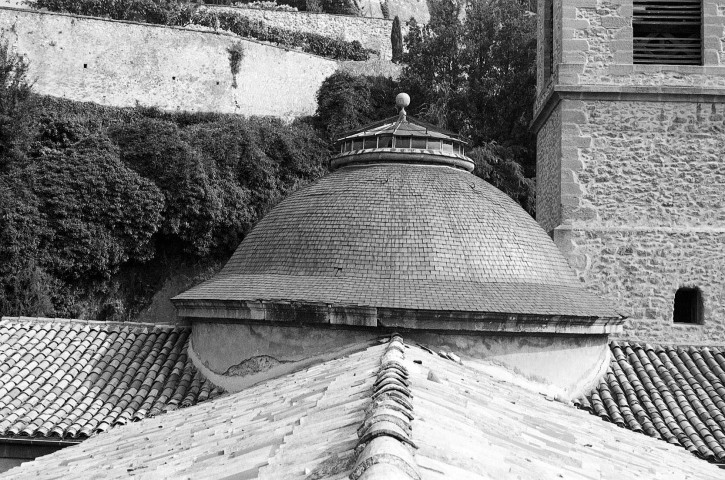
(623, 93)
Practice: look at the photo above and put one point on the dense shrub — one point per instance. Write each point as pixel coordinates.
(346, 101)
(181, 14)
(101, 200)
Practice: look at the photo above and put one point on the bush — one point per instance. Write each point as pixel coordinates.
(101, 200)
(346, 102)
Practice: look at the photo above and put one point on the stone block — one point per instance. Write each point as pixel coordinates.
(568, 13)
(575, 45)
(616, 22)
(626, 11)
(570, 129)
(568, 33)
(584, 3)
(624, 33)
(573, 57)
(621, 45)
(578, 24)
(571, 165)
(573, 116)
(711, 57)
(623, 56)
(570, 68)
(712, 29)
(571, 189)
(620, 69)
(576, 141)
(712, 43)
(568, 79)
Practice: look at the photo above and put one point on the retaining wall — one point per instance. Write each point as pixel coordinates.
(370, 32)
(124, 64)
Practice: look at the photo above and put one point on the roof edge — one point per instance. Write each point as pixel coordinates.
(322, 314)
(93, 323)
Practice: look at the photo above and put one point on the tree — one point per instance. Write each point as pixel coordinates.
(477, 76)
(14, 97)
(396, 40)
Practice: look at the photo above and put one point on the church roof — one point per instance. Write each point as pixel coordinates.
(399, 238)
(676, 394)
(388, 411)
(68, 379)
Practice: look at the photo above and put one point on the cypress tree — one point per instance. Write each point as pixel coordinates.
(396, 39)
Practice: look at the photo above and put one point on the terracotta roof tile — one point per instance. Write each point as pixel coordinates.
(390, 411)
(70, 378)
(676, 394)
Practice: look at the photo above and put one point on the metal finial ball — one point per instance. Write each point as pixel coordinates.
(402, 100)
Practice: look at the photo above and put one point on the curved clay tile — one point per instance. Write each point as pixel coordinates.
(70, 379)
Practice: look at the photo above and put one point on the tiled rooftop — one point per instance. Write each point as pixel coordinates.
(401, 236)
(69, 379)
(676, 394)
(389, 411)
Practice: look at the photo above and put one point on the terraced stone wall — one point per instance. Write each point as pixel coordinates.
(370, 32)
(124, 64)
(643, 208)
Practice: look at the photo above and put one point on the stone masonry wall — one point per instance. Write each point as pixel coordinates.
(643, 199)
(124, 64)
(597, 48)
(370, 32)
(548, 172)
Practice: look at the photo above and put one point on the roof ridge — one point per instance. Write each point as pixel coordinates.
(386, 448)
(93, 323)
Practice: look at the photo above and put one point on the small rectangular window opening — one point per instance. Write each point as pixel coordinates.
(667, 32)
(688, 306)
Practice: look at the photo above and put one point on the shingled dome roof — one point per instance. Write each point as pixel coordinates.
(387, 240)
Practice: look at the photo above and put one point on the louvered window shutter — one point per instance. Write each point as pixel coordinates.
(667, 32)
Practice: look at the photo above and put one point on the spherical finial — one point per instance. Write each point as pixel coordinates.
(402, 100)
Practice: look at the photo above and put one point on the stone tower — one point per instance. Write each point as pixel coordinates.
(630, 127)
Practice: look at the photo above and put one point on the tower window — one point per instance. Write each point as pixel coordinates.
(667, 32)
(688, 306)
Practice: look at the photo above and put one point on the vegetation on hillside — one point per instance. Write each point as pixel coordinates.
(178, 13)
(90, 195)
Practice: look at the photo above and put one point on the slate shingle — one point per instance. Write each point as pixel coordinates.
(69, 379)
(401, 236)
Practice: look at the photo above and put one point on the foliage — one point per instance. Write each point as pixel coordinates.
(385, 9)
(101, 192)
(498, 166)
(171, 12)
(340, 7)
(266, 5)
(236, 54)
(477, 77)
(396, 40)
(14, 95)
(346, 102)
(237, 23)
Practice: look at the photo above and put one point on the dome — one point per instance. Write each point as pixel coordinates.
(402, 237)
